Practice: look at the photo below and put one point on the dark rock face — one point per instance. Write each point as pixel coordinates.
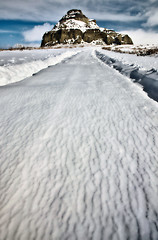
(93, 35)
(74, 14)
(63, 36)
(72, 36)
(75, 28)
(127, 39)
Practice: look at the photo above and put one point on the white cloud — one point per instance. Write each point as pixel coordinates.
(113, 16)
(139, 36)
(152, 1)
(36, 33)
(152, 16)
(53, 10)
(7, 31)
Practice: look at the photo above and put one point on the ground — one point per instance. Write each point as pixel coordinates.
(78, 155)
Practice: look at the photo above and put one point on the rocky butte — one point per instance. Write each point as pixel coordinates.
(76, 28)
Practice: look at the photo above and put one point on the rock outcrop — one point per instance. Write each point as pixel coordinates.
(76, 28)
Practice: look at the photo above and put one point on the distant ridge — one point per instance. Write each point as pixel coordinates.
(76, 28)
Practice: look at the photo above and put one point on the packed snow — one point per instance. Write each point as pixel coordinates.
(78, 155)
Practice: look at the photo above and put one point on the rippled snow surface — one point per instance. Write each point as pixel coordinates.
(78, 155)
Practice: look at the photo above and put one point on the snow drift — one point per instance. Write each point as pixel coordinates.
(16, 65)
(146, 76)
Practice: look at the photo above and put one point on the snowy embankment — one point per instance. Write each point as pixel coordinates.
(17, 65)
(140, 50)
(141, 69)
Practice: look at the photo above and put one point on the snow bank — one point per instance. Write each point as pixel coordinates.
(17, 66)
(146, 76)
(142, 62)
(8, 58)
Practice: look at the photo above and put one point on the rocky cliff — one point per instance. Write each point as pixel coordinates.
(75, 28)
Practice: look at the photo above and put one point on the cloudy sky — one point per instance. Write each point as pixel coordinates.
(25, 21)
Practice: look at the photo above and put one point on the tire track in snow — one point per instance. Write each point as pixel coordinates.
(78, 155)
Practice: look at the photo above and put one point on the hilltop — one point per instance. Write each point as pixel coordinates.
(76, 28)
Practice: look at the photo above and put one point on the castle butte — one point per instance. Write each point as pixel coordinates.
(76, 28)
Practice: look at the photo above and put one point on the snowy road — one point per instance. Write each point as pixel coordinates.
(78, 155)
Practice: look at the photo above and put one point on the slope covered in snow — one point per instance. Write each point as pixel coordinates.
(17, 65)
(142, 62)
(142, 70)
(76, 28)
(79, 147)
(76, 24)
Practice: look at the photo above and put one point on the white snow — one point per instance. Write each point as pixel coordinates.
(78, 154)
(140, 69)
(135, 49)
(142, 62)
(76, 24)
(27, 55)
(17, 65)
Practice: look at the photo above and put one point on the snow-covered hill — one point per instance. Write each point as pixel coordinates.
(76, 24)
(76, 28)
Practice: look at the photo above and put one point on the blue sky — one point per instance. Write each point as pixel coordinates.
(24, 22)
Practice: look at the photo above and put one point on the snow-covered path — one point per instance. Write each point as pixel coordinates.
(78, 155)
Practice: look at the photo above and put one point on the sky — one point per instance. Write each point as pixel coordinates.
(25, 21)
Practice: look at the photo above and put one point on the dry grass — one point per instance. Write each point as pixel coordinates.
(139, 51)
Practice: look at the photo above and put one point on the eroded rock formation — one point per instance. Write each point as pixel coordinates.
(75, 28)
